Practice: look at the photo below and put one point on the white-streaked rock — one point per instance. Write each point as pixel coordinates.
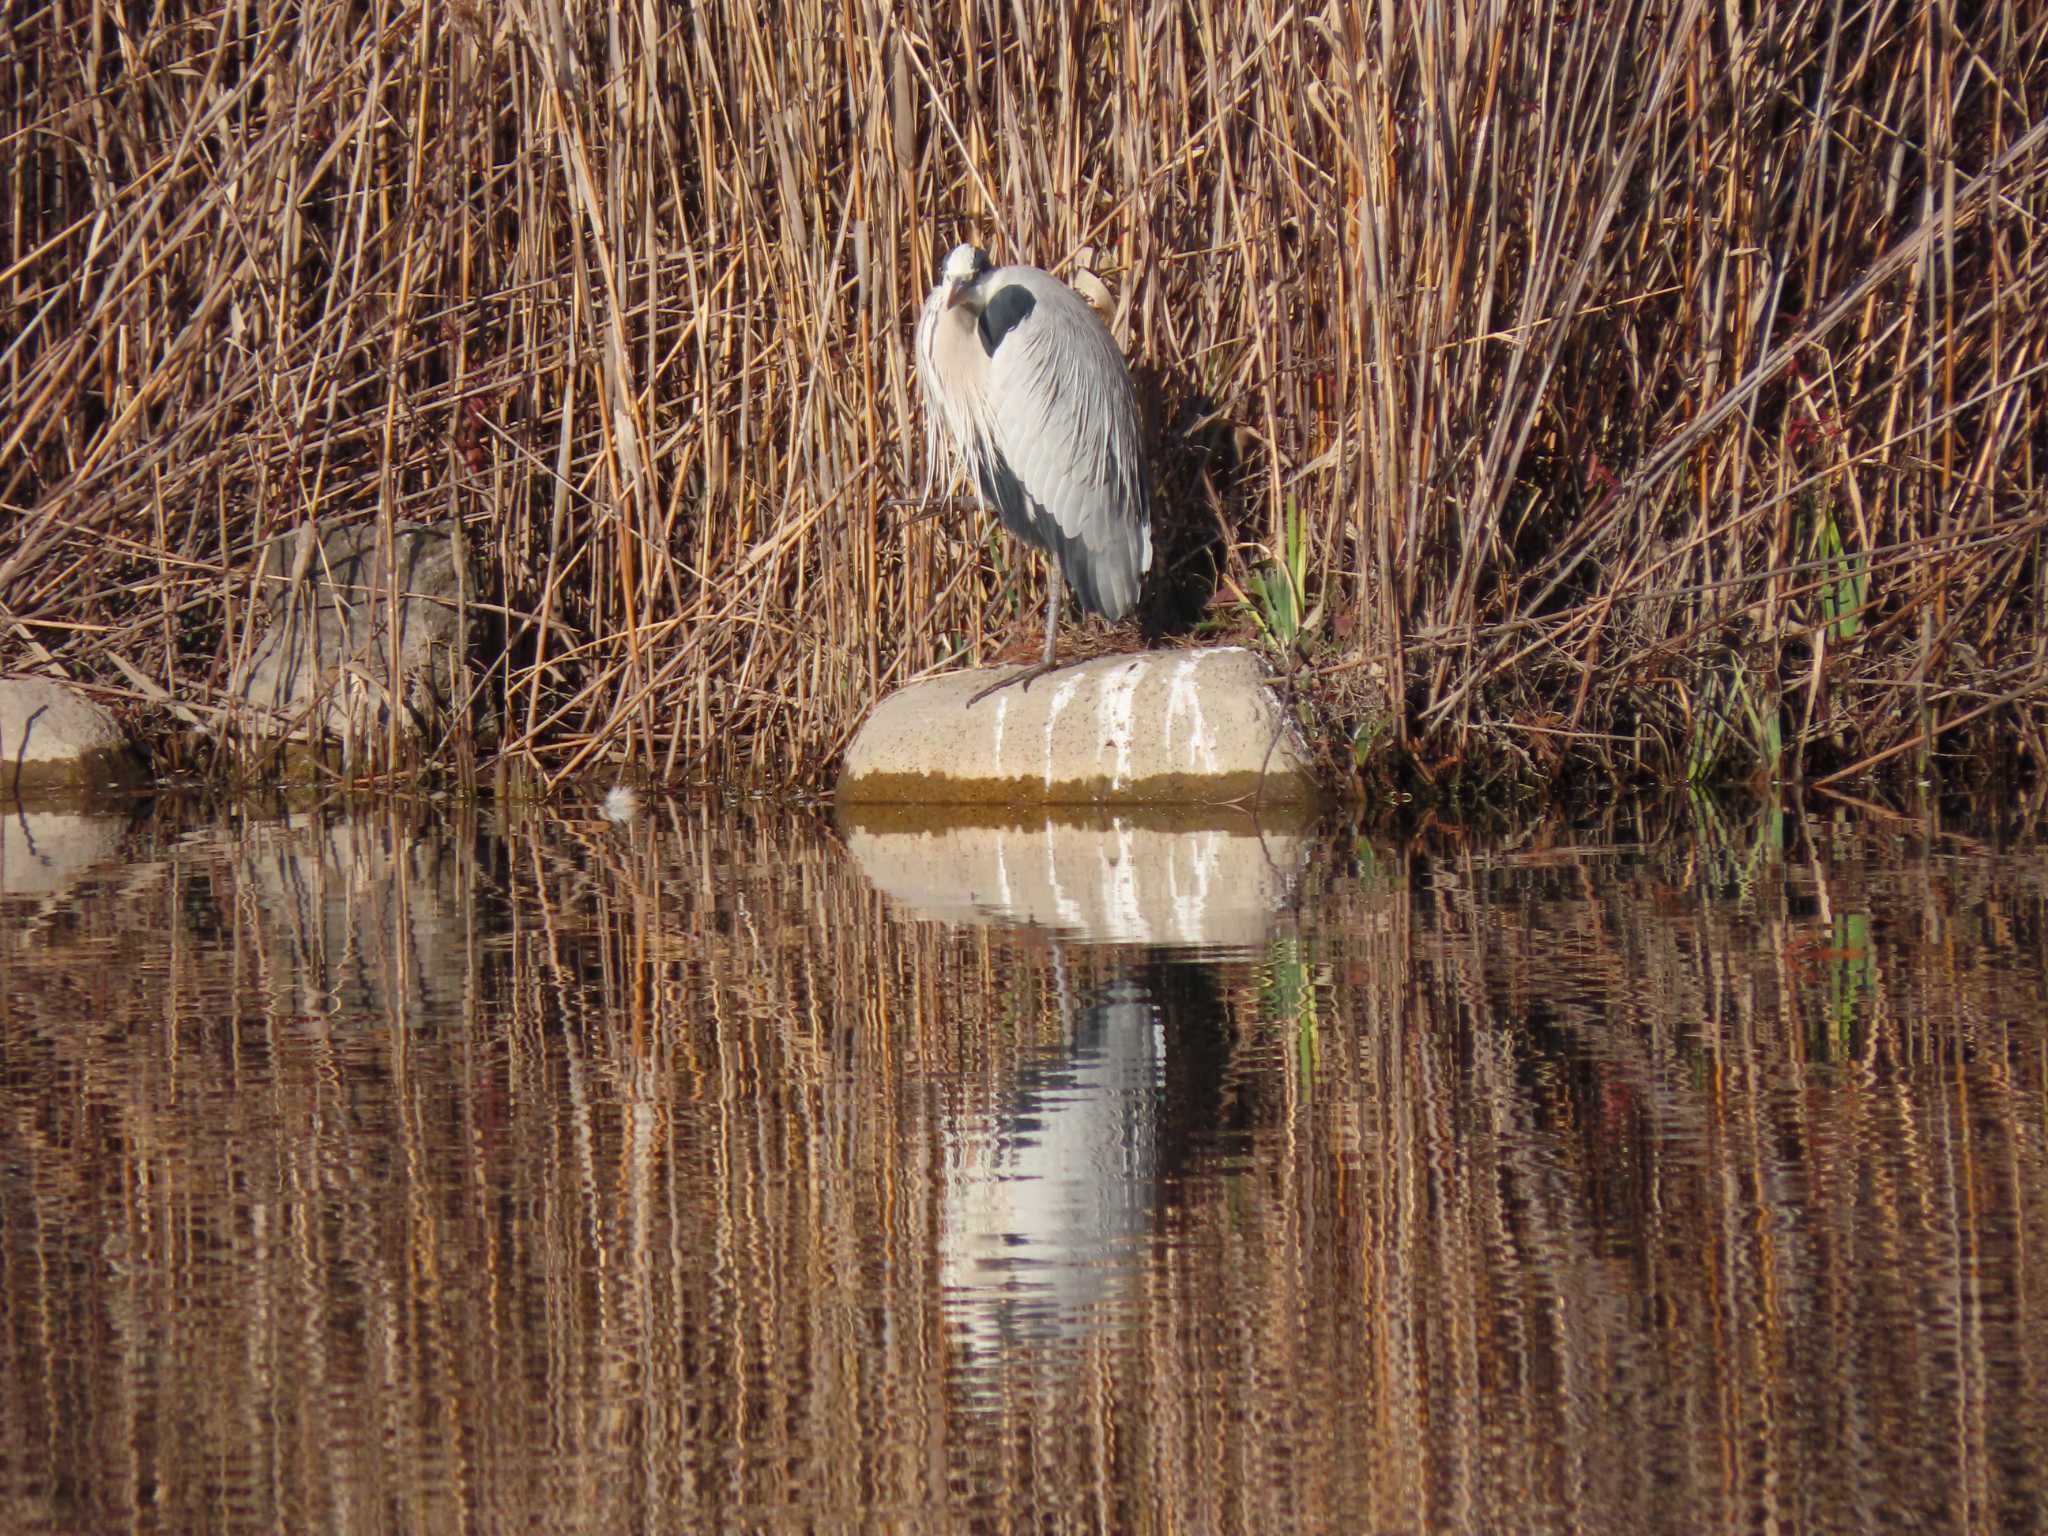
(1150, 877)
(1156, 727)
(53, 739)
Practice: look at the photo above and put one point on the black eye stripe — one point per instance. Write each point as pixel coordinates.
(1002, 315)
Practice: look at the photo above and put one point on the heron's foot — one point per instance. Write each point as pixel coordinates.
(1025, 676)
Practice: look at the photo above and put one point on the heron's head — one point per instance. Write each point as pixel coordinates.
(964, 263)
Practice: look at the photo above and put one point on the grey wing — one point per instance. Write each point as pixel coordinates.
(1064, 421)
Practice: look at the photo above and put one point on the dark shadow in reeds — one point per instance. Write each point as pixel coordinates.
(1195, 506)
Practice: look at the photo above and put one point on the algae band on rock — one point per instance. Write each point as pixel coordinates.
(1200, 727)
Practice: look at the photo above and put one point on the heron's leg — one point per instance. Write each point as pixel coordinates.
(1024, 676)
(1021, 679)
(1055, 589)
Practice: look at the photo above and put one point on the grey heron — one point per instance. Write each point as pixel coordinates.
(1033, 392)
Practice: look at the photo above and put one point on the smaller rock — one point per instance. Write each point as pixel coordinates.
(1158, 727)
(53, 739)
(321, 664)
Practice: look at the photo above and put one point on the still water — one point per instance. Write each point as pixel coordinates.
(400, 1168)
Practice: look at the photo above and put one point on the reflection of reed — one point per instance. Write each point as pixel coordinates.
(604, 1190)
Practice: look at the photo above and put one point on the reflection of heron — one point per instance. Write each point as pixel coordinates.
(1035, 396)
(1046, 1201)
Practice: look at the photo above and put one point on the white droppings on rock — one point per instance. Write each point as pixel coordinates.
(1184, 697)
(1114, 700)
(1062, 696)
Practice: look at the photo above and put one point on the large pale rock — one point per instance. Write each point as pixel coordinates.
(321, 665)
(1156, 875)
(55, 740)
(1158, 727)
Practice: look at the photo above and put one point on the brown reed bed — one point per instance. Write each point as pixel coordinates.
(1652, 389)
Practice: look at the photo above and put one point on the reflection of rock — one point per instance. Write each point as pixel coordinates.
(365, 917)
(54, 739)
(42, 852)
(1046, 1199)
(1158, 727)
(1153, 879)
(322, 665)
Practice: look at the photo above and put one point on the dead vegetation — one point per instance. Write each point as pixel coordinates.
(1652, 389)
